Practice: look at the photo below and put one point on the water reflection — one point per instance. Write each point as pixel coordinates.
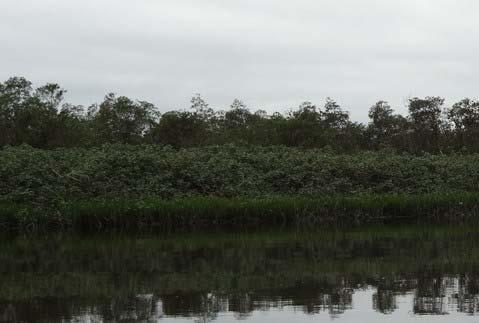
(432, 296)
(211, 278)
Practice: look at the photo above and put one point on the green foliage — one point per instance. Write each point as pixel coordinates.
(426, 121)
(40, 118)
(123, 120)
(28, 174)
(108, 184)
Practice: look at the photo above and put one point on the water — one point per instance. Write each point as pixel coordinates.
(407, 274)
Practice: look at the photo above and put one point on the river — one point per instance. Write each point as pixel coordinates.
(373, 274)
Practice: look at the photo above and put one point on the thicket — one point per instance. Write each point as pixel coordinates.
(30, 175)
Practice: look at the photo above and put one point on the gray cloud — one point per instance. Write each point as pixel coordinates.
(273, 54)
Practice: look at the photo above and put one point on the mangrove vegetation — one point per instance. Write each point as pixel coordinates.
(40, 118)
(123, 164)
(159, 186)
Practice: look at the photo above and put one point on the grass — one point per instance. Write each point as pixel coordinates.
(193, 213)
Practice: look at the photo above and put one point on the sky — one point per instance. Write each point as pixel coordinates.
(272, 54)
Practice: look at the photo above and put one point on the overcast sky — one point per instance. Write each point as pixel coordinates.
(273, 54)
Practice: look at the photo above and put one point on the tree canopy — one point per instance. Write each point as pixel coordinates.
(41, 118)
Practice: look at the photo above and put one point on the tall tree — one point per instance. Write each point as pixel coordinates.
(333, 115)
(201, 107)
(387, 129)
(13, 94)
(238, 117)
(179, 129)
(465, 117)
(425, 115)
(120, 119)
(303, 126)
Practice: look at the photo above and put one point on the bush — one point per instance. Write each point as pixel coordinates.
(46, 177)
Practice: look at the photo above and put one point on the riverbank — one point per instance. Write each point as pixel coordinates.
(211, 213)
(152, 187)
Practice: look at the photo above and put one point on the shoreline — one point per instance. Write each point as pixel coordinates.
(210, 213)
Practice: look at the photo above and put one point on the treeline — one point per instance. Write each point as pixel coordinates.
(39, 117)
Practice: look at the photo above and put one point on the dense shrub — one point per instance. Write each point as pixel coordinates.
(29, 175)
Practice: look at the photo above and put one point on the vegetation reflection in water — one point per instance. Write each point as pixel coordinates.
(210, 276)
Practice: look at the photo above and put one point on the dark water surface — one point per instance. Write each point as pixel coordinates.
(402, 274)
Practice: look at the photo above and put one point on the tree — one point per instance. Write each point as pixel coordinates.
(29, 116)
(35, 123)
(339, 132)
(51, 95)
(381, 114)
(13, 94)
(73, 127)
(425, 115)
(303, 126)
(120, 119)
(179, 129)
(201, 107)
(238, 117)
(387, 129)
(465, 117)
(333, 116)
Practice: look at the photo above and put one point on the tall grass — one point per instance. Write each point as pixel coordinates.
(192, 213)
